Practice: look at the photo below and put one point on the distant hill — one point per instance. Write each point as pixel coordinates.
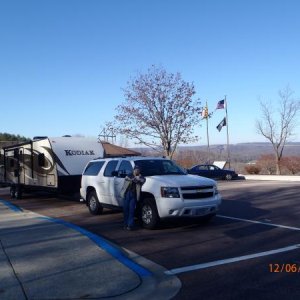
(4, 136)
(249, 151)
(242, 152)
(257, 149)
(7, 139)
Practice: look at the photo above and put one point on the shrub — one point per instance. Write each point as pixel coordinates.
(252, 169)
(267, 164)
(292, 164)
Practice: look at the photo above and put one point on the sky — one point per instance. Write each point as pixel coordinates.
(63, 63)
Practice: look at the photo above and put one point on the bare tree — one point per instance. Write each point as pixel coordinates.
(279, 128)
(159, 111)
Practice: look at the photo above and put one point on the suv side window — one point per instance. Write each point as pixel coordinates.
(93, 168)
(110, 167)
(125, 168)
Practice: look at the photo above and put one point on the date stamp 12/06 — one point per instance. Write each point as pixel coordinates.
(284, 268)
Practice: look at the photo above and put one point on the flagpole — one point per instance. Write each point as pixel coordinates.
(228, 151)
(207, 135)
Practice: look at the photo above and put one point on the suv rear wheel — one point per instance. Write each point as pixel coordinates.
(94, 205)
(148, 213)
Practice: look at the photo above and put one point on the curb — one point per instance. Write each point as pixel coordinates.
(272, 177)
(154, 282)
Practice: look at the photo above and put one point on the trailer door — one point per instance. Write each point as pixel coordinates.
(20, 165)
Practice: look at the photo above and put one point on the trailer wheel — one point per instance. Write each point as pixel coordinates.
(12, 191)
(93, 203)
(19, 193)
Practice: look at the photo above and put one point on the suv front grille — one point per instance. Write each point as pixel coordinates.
(192, 188)
(197, 192)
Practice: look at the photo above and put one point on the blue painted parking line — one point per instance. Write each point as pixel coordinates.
(101, 242)
(11, 206)
(105, 245)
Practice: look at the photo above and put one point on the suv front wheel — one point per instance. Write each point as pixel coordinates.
(148, 214)
(93, 203)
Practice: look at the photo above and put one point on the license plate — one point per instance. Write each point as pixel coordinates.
(201, 211)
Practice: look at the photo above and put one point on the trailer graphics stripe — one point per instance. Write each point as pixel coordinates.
(56, 159)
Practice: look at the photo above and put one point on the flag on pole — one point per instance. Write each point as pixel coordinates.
(204, 113)
(221, 124)
(221, 104)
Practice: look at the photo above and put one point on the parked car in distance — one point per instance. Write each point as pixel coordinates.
(212, 171)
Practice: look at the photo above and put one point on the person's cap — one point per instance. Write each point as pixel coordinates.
(136, 168)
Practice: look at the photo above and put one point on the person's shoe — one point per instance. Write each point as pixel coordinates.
(125, 227)
(129, 228)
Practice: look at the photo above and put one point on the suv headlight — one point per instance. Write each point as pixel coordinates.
(169, 192)
(216, 190)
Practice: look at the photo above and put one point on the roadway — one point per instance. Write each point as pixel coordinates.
(250, 250)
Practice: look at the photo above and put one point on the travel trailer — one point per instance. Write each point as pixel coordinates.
(50, 164)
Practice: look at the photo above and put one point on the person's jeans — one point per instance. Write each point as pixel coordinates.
(129, 208)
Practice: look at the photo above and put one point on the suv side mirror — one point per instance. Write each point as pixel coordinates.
(114, 173)
(122, 174)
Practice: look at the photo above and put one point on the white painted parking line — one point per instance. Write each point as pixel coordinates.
(259, 222)
(230, 260)
(239, 258)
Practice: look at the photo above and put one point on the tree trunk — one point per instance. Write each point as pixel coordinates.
(168, 150)
(278, 168)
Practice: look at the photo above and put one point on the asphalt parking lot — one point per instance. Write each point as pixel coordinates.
(250, 250)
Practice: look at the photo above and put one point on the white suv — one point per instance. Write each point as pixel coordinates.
(168, 191)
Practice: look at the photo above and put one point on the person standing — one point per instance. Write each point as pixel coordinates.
(132, 191)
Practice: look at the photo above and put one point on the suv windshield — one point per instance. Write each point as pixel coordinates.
(151, 167)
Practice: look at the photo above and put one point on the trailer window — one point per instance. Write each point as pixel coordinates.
(93, 168)
(16, 153)
(110, 167)
(21, 156)
(11, 162)
(41, 160)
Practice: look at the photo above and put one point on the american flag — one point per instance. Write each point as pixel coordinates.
(221, 104)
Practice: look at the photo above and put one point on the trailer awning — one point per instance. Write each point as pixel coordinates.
(111, 150)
